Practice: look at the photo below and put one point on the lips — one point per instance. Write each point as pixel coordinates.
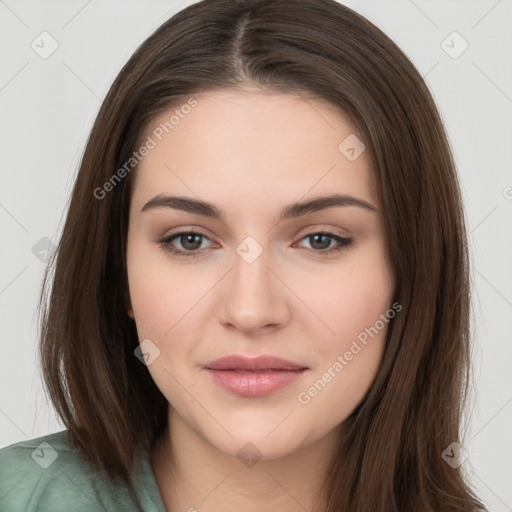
(252, 377)
(261, 363)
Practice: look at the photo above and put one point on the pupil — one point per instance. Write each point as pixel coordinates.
(315, 237)
(189, 239)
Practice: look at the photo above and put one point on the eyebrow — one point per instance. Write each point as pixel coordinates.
(290, 211)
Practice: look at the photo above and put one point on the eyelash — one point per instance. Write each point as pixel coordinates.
(165, 242)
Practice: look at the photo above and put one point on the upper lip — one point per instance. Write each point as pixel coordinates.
(264, 362)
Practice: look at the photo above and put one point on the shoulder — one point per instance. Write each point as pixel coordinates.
(49, 473)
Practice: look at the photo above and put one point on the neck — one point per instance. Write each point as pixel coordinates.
(191, 474)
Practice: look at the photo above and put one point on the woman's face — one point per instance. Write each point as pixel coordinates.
(258, 284)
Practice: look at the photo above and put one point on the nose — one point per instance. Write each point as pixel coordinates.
(254, 297)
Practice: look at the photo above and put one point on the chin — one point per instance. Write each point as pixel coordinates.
(266, 441)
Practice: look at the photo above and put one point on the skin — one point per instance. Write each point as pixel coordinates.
(251, 152)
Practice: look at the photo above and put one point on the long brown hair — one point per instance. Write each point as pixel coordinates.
(391, 458)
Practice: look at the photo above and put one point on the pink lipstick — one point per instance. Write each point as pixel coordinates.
(252, 377)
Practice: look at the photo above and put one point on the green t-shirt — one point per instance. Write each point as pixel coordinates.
(48, 474)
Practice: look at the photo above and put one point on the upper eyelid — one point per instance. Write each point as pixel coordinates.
(309, 229)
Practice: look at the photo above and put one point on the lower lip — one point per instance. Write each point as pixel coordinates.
(254, 383)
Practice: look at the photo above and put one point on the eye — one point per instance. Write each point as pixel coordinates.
(190, 242)
(321, 242)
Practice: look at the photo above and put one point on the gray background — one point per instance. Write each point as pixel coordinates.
(48, 106)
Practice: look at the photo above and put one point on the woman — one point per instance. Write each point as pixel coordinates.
(261, 294)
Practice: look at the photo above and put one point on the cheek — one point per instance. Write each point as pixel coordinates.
(161, 293)
(364, 298)
(162, 297)
(354, 301)
(349, 297)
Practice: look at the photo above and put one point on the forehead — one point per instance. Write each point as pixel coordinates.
(252, 143)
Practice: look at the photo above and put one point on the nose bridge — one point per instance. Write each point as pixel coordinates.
(250, 273)
(253, 298)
